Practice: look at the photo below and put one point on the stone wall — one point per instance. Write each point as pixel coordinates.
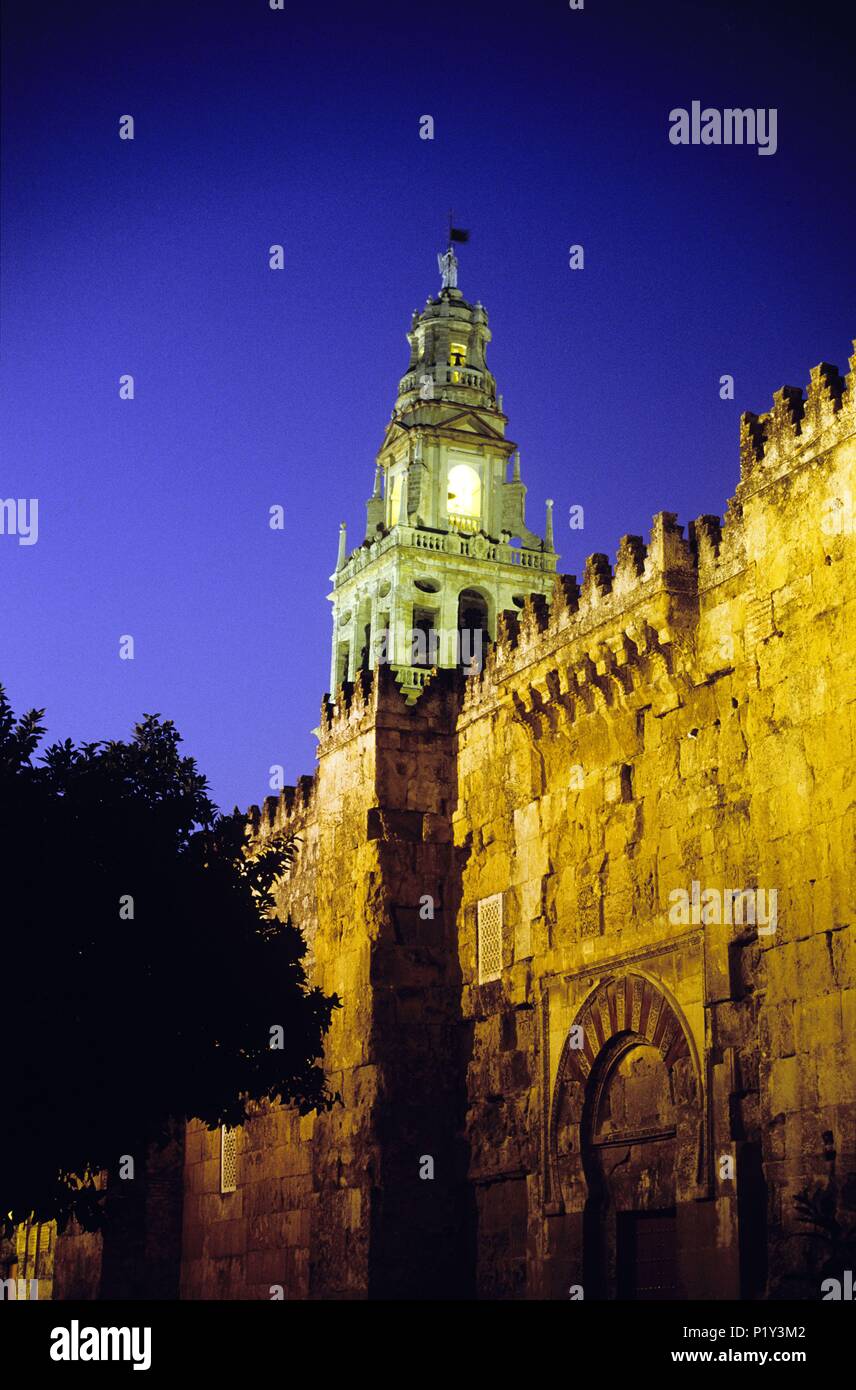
(687, 718)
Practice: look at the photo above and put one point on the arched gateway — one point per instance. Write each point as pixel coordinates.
(626, 1136)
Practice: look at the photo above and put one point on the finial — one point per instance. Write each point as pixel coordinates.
(515, 472)
(377, 474)
(548, 536)
(341, 557)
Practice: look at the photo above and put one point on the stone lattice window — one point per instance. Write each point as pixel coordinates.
(490, 938)
(228, 1159)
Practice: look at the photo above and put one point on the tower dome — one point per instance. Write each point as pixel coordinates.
(448, 349)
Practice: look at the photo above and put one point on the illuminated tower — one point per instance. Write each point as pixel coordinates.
(446, 548)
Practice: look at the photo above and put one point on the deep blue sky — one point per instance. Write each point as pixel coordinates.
(256, 387)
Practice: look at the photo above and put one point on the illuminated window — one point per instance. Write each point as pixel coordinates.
(490, 938)
(464, 495)
(457, 358)
(228, 1159)
(395, 501)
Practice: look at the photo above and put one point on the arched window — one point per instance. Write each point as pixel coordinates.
(464, 497)
(457, 358)
(472, 630)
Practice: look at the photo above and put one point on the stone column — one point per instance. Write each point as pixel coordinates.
(449, 624)
(399, 615)
(334, 658)
(352, 643)
(439, 464)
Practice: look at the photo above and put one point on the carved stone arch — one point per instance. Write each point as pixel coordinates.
(626, 1141)
(629, 1005)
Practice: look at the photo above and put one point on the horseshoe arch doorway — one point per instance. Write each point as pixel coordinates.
(626, 1137)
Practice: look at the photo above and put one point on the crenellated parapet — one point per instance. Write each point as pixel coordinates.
(629, 564)
(797, 427)
(628, 668)
(353, 704)
(662, 587)
(288, 813)
(705, 537)
(374, 700)
(615, 613)
(377, 698)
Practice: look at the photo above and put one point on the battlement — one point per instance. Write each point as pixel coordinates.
(797, 424)
(614, 604)
(601, 664)
(668, 564)
(376, 697)
(287, 813)
(637, 660)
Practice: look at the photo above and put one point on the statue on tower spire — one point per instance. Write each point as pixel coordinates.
(448, 267)
(448, 263)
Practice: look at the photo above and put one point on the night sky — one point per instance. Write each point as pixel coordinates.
(256, 387)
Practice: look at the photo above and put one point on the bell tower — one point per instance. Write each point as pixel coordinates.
(446, 548)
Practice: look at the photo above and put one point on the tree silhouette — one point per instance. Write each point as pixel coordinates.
(144, 973)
